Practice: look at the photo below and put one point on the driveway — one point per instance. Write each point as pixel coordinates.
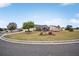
(16, 49)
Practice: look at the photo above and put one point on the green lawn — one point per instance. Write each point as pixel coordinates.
(34, 36)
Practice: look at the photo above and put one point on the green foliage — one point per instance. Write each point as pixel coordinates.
(1, 29)
(77, 28)
(28, 25)
(12, 26)
(58, 27)
(69, 27)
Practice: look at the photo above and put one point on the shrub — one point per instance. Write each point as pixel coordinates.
(49, 33)
(41, 33)
(71, 30)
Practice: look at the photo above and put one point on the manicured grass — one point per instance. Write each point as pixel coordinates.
(34, 36)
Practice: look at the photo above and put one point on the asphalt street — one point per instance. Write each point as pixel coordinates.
(16, 49)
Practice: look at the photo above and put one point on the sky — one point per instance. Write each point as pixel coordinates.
(40, 13)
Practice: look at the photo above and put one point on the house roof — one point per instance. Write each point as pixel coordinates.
(42, 26)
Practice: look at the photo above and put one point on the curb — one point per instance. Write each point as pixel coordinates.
(38, 42)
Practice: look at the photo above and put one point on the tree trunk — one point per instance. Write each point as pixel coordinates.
(28, 30)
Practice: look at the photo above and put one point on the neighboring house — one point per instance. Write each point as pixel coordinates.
(62, 29)
(41, 27)
(17, 30)
(31, 29)
(54, 28)
(45, 28)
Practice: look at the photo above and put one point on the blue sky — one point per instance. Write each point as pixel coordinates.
(48, 14)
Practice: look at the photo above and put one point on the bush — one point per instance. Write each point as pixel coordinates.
(71, 30)
(49, 33)
(41, 33)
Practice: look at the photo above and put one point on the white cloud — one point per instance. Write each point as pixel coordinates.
(66, 4)
(63, 22)
(77, 15)
(74, 21)
(58, 21)
(35, 17)
(3, 23)
(4, 5)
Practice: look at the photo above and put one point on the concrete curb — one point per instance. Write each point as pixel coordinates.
(38, 42)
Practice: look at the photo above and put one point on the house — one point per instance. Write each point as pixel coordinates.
(54, 28)
(41, 27)
(63, 29)
(31, 29)
(45, 28)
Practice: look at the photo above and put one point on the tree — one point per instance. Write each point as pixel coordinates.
(28, 25)
(12, 26)
(77, 28)
(58, 27)
(1, 29)
(69, 27)
(5, 29)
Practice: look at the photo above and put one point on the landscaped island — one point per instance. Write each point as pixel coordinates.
(33, 32)
(35, 36)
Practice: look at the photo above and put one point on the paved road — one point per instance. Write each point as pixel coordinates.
(14, 49)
